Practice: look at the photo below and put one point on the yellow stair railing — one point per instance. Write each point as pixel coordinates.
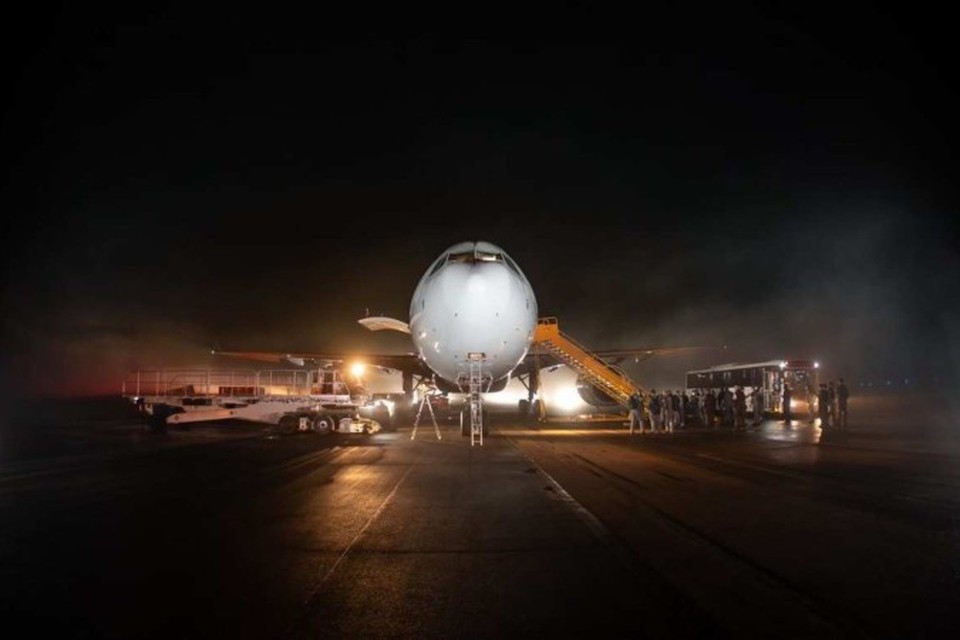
(615, 384)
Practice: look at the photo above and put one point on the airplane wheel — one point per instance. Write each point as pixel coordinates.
(535, 409)
(382, 415)
(465, 422)
(523, 406)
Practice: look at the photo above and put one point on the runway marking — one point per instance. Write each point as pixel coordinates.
(316, 590)
(356, 538)
(586, 516)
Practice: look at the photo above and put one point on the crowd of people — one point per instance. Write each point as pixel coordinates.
(832, 402)
(665, 411)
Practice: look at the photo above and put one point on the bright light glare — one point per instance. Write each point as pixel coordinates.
(509, 397)
(357, 369)
(816, 365)
(567, 399)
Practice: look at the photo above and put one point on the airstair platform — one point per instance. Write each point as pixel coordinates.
(588, 366)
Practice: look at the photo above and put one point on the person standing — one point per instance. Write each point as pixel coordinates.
(675, 405)
(740, 409)
(684, 407)
(824, 401)
(664, 410)
(693, 406)
(645, 420)
(726, 404)
(634, 404)
(832, 392)
(654, 411)
(757, 395)
(709, 408)
(843, 393)
(668, 414)
(787, 414)
(811, 397)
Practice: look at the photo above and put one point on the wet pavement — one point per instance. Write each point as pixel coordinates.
(557, 528)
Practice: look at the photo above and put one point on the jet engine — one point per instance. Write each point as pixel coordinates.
(594, 396)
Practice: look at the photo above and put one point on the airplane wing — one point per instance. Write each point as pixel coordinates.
(403, 362)
(539, 358)
(615, 356)
(408, 363)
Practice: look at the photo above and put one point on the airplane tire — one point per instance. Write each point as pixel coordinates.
(523, 406)
(465, 422)
(382, 415)
(535, 409)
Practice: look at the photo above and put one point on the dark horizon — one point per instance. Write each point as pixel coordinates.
(777, 183)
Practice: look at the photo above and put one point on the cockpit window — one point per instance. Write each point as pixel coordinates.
(471, 257)
(474, 256)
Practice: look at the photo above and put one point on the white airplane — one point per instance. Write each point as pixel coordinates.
(472, 320)
(473, 317)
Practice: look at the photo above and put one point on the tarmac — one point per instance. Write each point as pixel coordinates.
(227, 530)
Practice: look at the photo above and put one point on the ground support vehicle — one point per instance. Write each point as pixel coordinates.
(294, 400)
(767, 378)
(358, 424)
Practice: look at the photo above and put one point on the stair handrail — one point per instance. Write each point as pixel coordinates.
(549, 326)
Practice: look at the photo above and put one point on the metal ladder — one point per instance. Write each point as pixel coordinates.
(475, 397)
(425, 400)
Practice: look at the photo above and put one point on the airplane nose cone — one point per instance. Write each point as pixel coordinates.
(475, 308)
(481, 294)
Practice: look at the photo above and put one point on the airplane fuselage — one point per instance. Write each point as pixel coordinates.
(473, 302)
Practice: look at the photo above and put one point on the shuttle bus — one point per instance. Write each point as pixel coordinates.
(769, 377)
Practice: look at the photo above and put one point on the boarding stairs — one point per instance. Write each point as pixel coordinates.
(615, 384)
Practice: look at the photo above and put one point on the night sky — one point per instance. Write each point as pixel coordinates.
(776, 178)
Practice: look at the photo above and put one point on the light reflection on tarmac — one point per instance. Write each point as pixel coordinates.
(548, 529)
(902, 422)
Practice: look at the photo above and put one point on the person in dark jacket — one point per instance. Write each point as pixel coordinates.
(787, 415)
(832, 393)
(709, 408)
(636, 419)
(843, 393)
(726, 405)
(756, 400)
(655, 409)
(823, 400)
